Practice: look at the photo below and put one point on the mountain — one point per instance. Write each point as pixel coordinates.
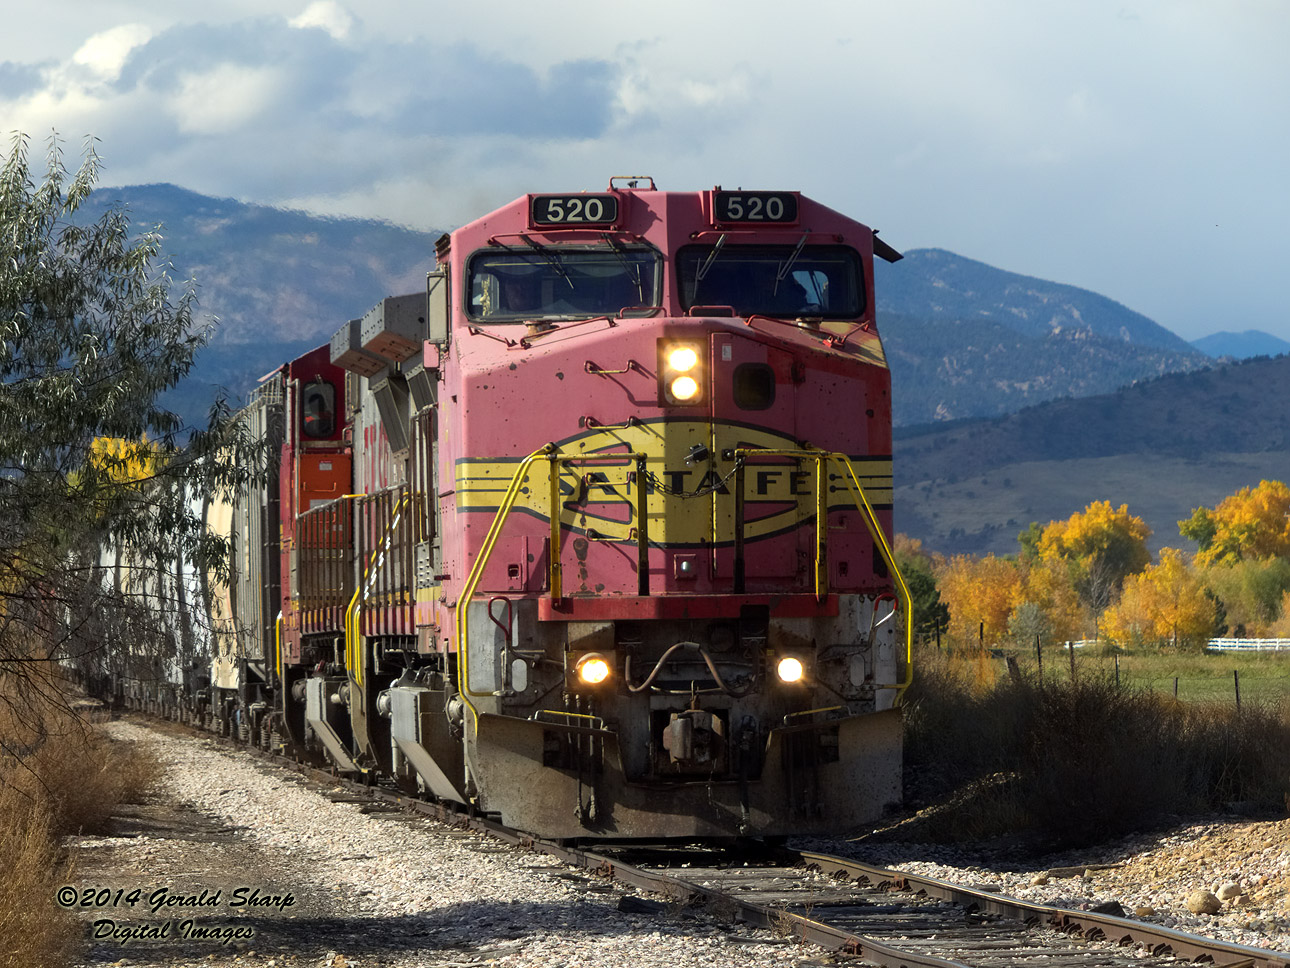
(965, 339)
(945, 369)
(1164, 447)
(278, 281)
(938, 285)
(1241, 346)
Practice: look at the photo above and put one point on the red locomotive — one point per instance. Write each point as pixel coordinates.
(594, 533)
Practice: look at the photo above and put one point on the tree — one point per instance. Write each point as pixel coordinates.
(1253, 523)
(1166, 604)
(1250, 592)
(979, 591)
(93, 330)
(1101, 546)
(929, 613)
(1049, 588)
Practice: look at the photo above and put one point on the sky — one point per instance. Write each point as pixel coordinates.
(1138, 148)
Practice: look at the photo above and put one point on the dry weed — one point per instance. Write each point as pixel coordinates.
(34, 932)
(58, 775)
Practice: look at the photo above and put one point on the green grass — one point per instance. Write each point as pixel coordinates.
(1264, 678)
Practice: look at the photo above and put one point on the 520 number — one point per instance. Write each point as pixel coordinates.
(573, 209)
(755, 207)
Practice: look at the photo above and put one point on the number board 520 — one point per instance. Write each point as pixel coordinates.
(573, 209)
(754, 207)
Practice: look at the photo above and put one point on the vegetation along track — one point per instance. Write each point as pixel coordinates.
(879, 916)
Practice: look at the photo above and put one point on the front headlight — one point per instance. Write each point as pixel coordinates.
(681, 372)
(790, 669)
(592, 669)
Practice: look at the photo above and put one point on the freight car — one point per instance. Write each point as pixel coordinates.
(593, 533)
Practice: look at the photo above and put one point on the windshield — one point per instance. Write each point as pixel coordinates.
(513, 285)
(773, 280)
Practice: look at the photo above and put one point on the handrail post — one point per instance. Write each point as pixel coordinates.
(557, 578)
(642, 530)
(821, 527)
(740, 569)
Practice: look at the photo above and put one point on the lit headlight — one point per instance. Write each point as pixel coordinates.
(685, 388)
(592, 669)
(681, 372)
(683, 359)
(790, 669)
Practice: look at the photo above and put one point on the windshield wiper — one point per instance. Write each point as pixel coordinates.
(551, 259)
(782, 271)
(712, 257)
(633, 268)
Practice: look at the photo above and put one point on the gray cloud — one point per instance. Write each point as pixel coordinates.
(17, 80)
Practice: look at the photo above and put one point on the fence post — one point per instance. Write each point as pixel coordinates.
(1117, 670)
(1175, 687)
(1071, 649)
(1236, 681)
(1039, 657)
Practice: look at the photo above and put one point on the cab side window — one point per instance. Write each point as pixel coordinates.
(317, 410)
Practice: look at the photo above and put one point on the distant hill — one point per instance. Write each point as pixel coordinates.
(278, 281)
(965, 339)
(938, 285)
(1163, 447)
(943, 369)
(1241, 346)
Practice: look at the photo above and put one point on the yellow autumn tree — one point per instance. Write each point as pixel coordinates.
(1280, 629)
(123, 461)
(1164, 605)
(1251, 592)
(1047, 585)
(976, 591)
(1100, 546)
(1252, 523)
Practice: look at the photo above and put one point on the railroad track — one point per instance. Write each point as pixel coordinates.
(879, 916)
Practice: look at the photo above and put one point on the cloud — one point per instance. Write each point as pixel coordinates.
(20, 80)
(223, 99)
(325, 15)
(105, 54)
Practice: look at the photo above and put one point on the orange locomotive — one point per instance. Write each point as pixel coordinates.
(594, 533)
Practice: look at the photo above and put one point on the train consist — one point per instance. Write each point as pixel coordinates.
(592, 534)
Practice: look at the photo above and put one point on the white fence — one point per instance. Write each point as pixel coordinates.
(1217, 645)
(1249, 645)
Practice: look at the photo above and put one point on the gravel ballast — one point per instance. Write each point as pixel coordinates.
(387, 889)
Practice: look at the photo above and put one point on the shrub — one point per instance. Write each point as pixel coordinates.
(1076, 762)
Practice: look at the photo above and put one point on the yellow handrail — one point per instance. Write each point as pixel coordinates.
(822, 457)
(549, 451)
(880, 539)
(477, 573)
(277, 643)
(353, 646)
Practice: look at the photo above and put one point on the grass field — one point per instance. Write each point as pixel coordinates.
(1263, 678)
